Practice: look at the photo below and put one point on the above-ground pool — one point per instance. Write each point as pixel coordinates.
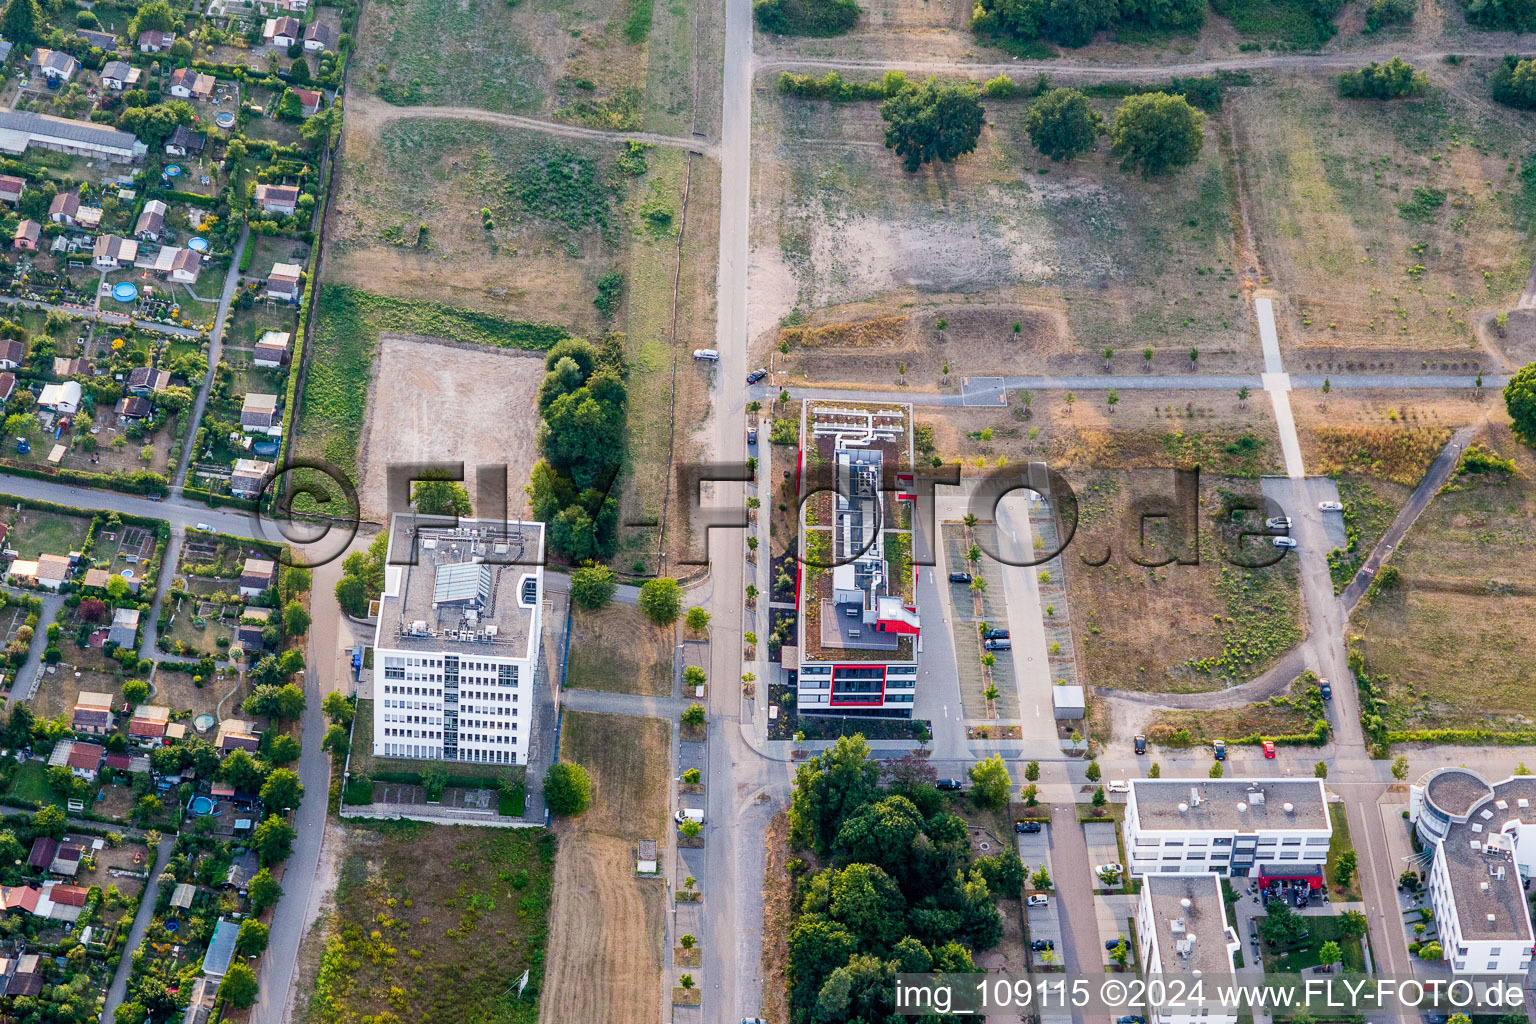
(224, 119)
(172, 171)
(125, 292)
(202, 805)
(202, 723)
(197, 244)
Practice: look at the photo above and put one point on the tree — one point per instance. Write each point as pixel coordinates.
(828, 788)
(239, 986)
(593, 586)
(273, 839)
(661, 600)
(1329, 954)
(1112, 399)
(285, 703)
(337, 740)
(1154, 132)
(990, 782)
(441, 498)
(135, 691)
(1063, 124)
(1514, 83)
(279, 749)
(1520, 400)
(690, 828)
(694, 676)
(1345, 870)
(1431, 951)
(338, 708)
(117, 587)
(1099, 799)
(264, 891)
(252, 940)
(693, 715)
(50, 821)
(932, 122)
(687, 941)
(1032, 771)
(1400, 769)
(1041, 879)
(22, 22)
(352, 595)
(93, 609)
(1243, 394)
(1320, 770)
(567, 789)
(697, 619)
(1092, 773)
(1217, 771)
(282, 791)
(1281, 925)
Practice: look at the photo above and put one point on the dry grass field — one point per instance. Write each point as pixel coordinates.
(619, 650)
(607, 936)
(542, 258)
(492, 392)
(1083, 254)
(1387, 228)
(1450, 643)
(1282, 714)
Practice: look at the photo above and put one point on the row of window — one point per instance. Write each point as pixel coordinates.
(1262, 841)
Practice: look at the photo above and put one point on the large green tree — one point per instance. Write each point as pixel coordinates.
(830, 787)
(282, 791)
(931, 122)
(22, 22)
(990, 784)
(1520, 400)
(567, 789)
(239, 986)
(661, 600)
(1063, 124)
(1155, 132)
(593, 586)
(441, 498)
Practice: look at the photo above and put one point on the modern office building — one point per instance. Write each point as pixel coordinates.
(1182, 931)
(859, 630)
(456, 648)
(1481, 838)
(1237, 827)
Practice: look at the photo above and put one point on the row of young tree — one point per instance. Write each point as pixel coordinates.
(899, 893)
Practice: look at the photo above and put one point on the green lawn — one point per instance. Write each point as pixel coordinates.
(31, 784)
(35, 533)
(1304, 955)
(1336, 849)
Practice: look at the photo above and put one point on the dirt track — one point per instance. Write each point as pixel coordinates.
(606, 935)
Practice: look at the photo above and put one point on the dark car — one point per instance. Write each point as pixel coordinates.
(756, 375)
(751, 435)
(1041, 945)
(1221, 750)
(959, 577)
(1131, 1018)
(1141, 744)
(998, 645)
(1113, 944)
(1326, 688)
(1026, 826)
(950, 784)
(995, 634)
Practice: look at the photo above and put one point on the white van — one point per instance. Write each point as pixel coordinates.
(690, 814)
(707, 353)
(1119, 786)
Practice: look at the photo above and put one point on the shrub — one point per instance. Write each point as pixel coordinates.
(806, 17)
(1514, 83)
(1508, 15)
(567, 789)
(1392, 80)
(1000, 87)
(1381, 13)
(661, 600)
(1062, 124)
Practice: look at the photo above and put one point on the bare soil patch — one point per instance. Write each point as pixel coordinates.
(474, 405)
(619, 650)
(607, 934)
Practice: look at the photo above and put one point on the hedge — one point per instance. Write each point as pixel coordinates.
(1462, 737)
(139, 482)
(218, 500)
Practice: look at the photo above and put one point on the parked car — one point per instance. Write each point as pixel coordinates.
(1131, 1018)
(1038, 899)
(1330, 506)
(959, 577)
(706, 354)
(950, 784)
(1283, 542)
(690, 814)
(1278, 523)
(1269, 749)
(1221, 750)
(1325, 688)
(205, 527)
(999, 645)
(1118, 786)
(1112, 943)
(751, 435)
(1041, 945)
(756, 375)
(1141, 744)
(995, 634)
(1099, 869)
(1026, 826)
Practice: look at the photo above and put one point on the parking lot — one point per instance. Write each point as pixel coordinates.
(1103, 848)
(994, 612)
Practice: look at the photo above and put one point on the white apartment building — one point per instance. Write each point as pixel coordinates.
(1182, 930)
(1482, 838)
(456, 648)
(1235, 827)
(859, 627)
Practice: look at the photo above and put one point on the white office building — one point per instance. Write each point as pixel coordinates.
(1271, 828)
(1482, 842)
(1182, 930)
(859, 625)
(456, 648)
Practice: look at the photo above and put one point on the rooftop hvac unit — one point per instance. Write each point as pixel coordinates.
(1290, 808)
(1194, 796)
(1256, 797)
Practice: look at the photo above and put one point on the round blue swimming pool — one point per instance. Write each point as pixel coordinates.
(202, 805)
